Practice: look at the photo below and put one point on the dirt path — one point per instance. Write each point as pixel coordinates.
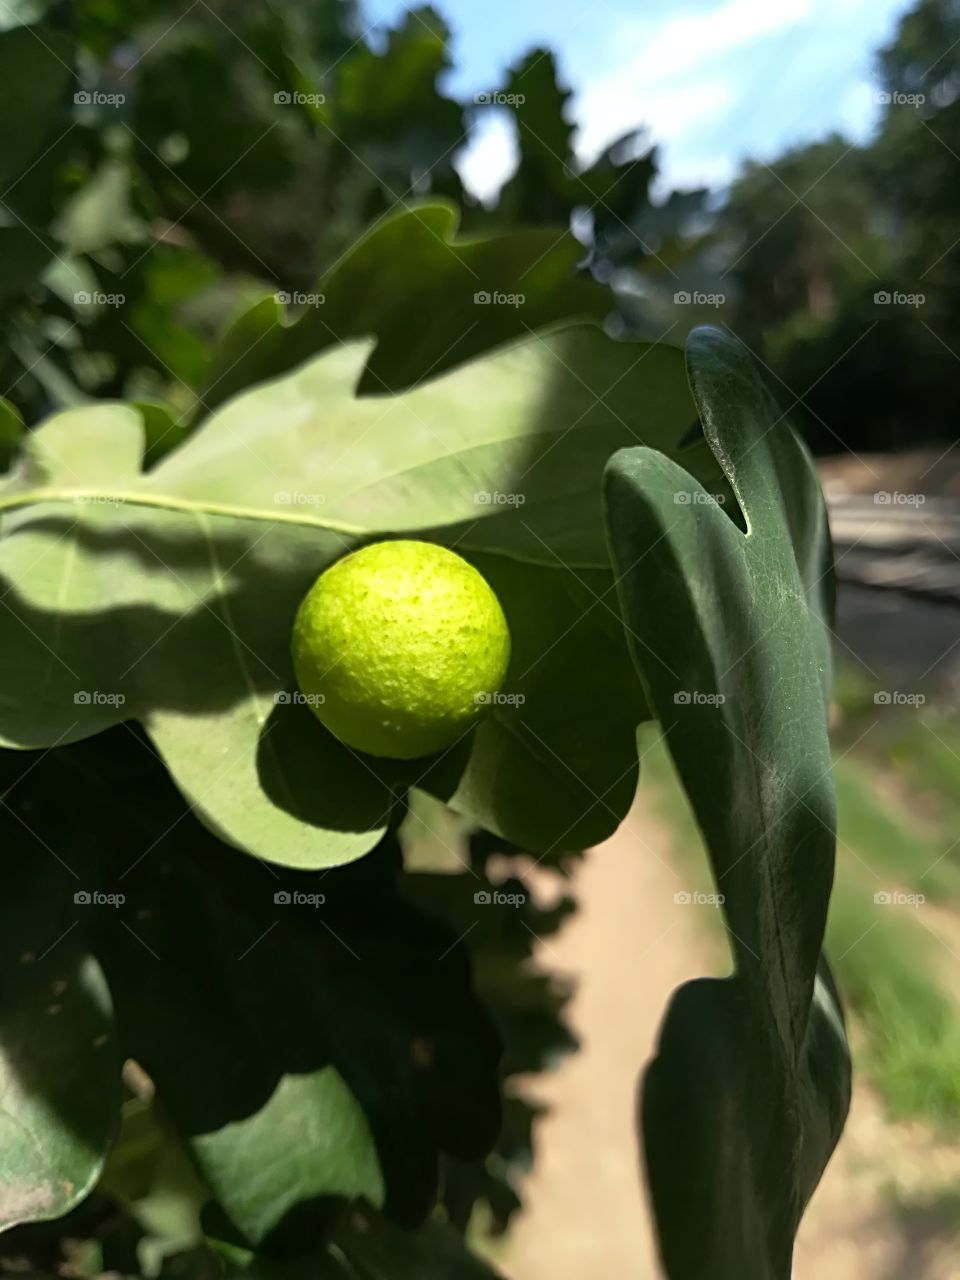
(628, 947)
(879, 1212)
(887, 1206)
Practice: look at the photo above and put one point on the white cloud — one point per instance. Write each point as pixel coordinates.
(738, 78)
(491, 156)
(858, 110)
(611, 106)
(690, 40)
(677, 76)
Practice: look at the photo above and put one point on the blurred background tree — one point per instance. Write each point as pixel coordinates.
(821, 238)
(214, 152)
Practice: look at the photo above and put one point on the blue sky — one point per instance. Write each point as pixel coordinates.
(715, 81)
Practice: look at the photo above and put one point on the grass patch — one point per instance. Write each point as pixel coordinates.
(886, 963)
(876, 831)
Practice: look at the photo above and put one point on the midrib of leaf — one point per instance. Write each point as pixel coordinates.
(769, 819)
(797, 1032)
(168, 502)
(768, 881)
(199, 508)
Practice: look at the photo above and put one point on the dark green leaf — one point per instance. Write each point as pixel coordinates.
(543, 187)
(23, 255)
(369, 1248)
(162, 432)
(414, 286)
(311, 1038)
(391, 98)
(36, 67)
(59, 1065)
(749, 1090)
(11, 433)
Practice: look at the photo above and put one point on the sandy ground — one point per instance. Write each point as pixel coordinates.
(585, 1211)
(628, 946)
